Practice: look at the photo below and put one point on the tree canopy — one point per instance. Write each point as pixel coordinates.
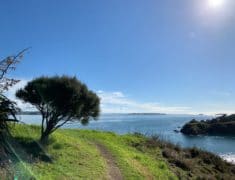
(60, 99)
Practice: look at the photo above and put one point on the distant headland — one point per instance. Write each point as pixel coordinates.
(222, 125)
(147, 114)
(28, 113)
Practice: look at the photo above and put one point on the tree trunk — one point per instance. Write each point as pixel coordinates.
(45, 134)
(44, 138)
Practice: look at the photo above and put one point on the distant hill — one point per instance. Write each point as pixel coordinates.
(146, 114)
(223, 125)
(29, 113)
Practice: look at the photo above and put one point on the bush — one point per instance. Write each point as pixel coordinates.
(194, 152)
(187, 163)
(183, 164)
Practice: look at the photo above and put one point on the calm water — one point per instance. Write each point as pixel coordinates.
(163, 125)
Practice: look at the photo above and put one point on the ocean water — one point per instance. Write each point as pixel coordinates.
(162, 125)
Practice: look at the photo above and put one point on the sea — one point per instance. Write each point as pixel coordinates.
(165, 126)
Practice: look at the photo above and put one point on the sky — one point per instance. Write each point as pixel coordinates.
(138, 56)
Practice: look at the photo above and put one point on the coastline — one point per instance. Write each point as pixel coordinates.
(228, 157)
(162, 125)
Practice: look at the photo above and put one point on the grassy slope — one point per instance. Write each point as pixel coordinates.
(75, 156)
(72, 157)
(132, 163)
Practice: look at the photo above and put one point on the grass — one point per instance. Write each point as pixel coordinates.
(73, 154)
(133, 163)
(71, 157)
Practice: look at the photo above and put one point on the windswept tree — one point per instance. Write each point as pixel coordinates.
(60, 100)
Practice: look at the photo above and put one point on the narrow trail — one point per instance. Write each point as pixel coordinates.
(114, 172)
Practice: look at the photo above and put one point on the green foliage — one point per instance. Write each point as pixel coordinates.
(60, 100)
(7, 108)
(187, 163)
(224, 125)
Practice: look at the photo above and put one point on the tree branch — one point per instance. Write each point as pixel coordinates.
(9, 62)
(60, 125)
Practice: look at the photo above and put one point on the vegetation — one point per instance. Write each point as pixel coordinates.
(76, 154)
(73, 154)
(7, 107)
(87, 154)
(60, 100)
(224, 125)
(189, 163)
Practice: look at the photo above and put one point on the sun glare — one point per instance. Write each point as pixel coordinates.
(215, 3)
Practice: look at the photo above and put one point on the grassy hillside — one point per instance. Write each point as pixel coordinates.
(74, 154)
(87, 154)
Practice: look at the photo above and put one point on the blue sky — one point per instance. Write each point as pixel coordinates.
(139, 56)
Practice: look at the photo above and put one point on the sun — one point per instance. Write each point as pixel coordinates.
(215, 3)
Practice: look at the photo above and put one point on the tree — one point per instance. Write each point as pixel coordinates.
(7, 107)
(60, 100)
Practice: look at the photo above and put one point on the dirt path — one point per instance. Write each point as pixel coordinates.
(114, 172)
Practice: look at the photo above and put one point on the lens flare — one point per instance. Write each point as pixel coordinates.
(215, 3)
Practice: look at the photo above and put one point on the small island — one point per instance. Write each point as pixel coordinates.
(222, 125)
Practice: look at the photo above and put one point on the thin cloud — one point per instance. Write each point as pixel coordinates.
(117, 102)
(11, 95)
(111, 102)
(222, 93)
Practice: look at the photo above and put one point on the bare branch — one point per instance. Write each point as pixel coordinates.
(7, 65)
